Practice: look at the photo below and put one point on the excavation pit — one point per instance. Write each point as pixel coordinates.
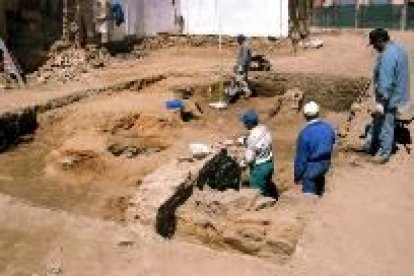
(335, 93)
(92, 156)
(239, 220)
(332, 92)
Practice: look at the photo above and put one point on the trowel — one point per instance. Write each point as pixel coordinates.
(218, 105)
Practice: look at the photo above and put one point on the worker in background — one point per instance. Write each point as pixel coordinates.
(294, 36)
(313, 152)
(391, 87)
(240, 84)
(258, 156)
(244, 57)
(117, 12)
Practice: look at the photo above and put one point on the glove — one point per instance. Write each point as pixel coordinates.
(241, 140)
(379, 109)
(243, 164)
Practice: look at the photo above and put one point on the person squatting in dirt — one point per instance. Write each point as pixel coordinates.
(314, 149)
(239, 84)
(391, 87)
(258, 155)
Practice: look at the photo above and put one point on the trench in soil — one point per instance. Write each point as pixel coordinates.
(88, 158)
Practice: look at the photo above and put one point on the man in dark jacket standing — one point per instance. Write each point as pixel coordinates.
(313, 152)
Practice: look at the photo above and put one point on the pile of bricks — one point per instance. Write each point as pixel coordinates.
(67, 63)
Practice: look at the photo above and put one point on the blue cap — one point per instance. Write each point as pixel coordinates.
(250, 117)
(174, 104)
(241, 38)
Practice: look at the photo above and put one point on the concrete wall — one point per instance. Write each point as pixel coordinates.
(134, 12)
(149, 17)
(159, 16)
(232, 17)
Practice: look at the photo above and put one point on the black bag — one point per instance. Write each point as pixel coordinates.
(402, 135)
(220, 173)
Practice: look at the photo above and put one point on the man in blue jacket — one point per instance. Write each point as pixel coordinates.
(391, 84)
(313, 152)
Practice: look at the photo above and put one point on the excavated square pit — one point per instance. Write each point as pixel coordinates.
(243, 222)
(89, 158)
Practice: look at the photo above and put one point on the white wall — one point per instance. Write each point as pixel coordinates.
(250, 17)
(159, 16)
(149, 17)
(134, 11)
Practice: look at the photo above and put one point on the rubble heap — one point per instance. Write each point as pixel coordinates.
(67, 63)
(162, 41)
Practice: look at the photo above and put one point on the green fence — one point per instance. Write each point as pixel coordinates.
(372, 16)
(410, 17)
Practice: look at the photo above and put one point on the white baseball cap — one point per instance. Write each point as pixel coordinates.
(311, 109)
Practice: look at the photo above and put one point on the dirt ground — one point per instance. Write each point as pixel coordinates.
(63, 195)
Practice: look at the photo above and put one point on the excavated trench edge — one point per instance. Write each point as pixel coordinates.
(17, 123)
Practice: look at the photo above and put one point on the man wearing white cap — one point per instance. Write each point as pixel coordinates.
(313, 152)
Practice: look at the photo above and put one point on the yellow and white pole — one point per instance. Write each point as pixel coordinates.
(221, 73)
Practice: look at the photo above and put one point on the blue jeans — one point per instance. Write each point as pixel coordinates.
(380, 136)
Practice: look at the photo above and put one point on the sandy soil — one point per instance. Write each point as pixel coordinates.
(65, 221)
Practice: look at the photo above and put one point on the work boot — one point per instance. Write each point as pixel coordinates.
(380, 159)
(360, 149)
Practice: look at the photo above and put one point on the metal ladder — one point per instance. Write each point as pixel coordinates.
(12, 69)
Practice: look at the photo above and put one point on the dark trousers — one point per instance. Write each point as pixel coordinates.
(314, 186)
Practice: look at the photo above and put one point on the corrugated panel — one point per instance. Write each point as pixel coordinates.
(386, 16)
(345, 16)
(410, 17)
(370, 16)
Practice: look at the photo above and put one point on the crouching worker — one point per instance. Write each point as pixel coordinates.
(313, 152)
(258, 156)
